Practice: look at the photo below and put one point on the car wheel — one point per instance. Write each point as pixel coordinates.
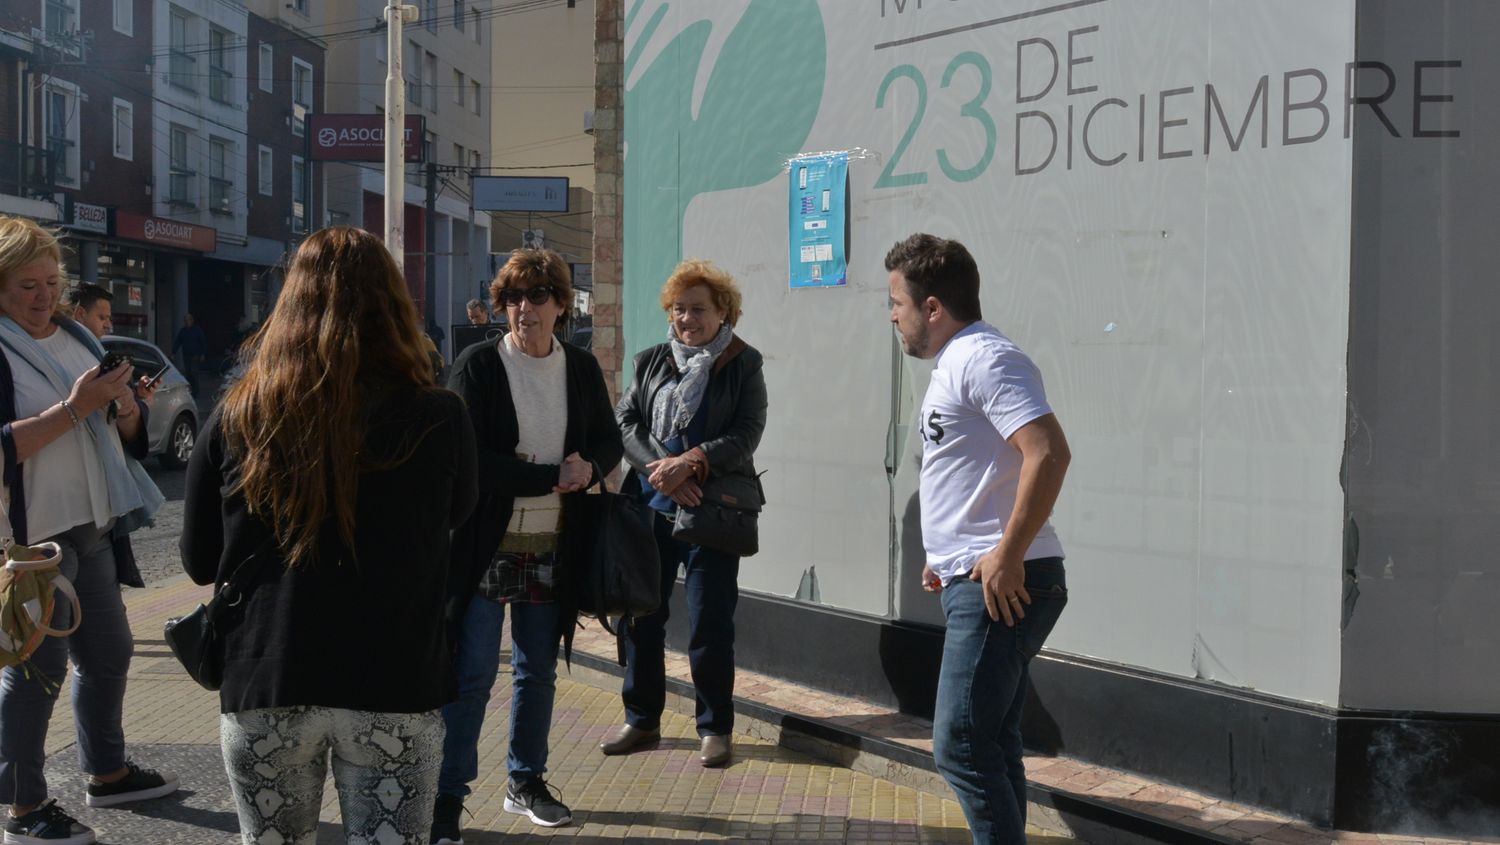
(180, 442)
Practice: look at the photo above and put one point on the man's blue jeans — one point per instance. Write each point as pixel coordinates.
(535, 637)
(712, 591)
(976, 729)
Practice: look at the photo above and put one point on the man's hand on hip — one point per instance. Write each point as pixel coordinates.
(1003, 575)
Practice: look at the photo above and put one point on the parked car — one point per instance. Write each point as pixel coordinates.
(172, 426)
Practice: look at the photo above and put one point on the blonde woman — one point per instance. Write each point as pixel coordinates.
(333, 472)
(72, 439)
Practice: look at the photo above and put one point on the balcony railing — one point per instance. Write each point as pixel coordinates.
(26, 170)
(218, 195)
(221, 84)
(180, 188)
(183, 66)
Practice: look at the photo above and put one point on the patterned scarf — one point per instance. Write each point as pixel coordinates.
(676, 406)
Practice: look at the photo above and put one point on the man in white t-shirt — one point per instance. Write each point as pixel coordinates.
(993, 460)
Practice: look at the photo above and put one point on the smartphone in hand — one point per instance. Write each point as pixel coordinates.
(156, 379)
(110, 361)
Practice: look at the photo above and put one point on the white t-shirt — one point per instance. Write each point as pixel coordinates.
(539, 390)
(58, 479)
(984, 388)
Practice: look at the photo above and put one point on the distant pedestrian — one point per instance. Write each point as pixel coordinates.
(993, 461)
(333, 472)
(479, 313)
(193, 344)
(541, 413)
(91, 306)
(695, 410)
(72, 477)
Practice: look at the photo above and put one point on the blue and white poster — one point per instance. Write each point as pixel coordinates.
(819, 202)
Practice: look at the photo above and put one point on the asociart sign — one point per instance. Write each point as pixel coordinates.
(359, 137)
(164, 232)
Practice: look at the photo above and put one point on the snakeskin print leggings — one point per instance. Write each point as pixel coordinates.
(385, 766)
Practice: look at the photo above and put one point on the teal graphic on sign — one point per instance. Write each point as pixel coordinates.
(819, 200)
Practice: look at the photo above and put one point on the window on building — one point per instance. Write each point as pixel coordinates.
(183, 65)
(267, 67)
(302, 94)
(220, 77)
(61, 18)
(182, 179)
(220, 186)
(124, 17)
(474, 19)
(458, 86)
(124, 129)
(298, 5)
(60, 100)
(459, 154)
(299, 194)
(474, 95)
(265, 171)
(429, 16)
(458, 15)
(429, 146)
(380, 49)
(474, 159)
(412, 69)
(430, 76)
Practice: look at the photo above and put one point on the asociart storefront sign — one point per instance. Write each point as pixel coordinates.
(165, 232)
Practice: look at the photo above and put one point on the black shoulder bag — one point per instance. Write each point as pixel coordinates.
(197, 639)
(621, 571)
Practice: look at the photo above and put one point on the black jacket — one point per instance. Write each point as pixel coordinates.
(362, 631)
(479, 377)
(736, 400)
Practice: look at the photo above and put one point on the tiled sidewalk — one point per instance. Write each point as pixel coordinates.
(769, 794)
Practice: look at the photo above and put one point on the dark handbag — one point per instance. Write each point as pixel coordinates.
(621, 570)
(197, 639)
(728, 518)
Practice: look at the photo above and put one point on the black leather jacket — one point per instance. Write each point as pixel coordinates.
(736, 400)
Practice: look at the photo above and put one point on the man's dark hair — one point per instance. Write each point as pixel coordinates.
(84, 295)
(939, 268)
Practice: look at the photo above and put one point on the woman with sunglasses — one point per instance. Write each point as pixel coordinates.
(545, 430)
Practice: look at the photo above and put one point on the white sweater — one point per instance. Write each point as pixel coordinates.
(539, 390)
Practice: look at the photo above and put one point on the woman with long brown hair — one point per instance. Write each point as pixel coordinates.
(333, 473)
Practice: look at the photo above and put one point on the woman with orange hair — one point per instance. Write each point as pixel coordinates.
(333, 473)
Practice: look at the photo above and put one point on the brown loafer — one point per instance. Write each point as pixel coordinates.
(627, 738)
(716, 751)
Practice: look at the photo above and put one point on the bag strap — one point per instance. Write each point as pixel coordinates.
(234, 580)
(35, 611)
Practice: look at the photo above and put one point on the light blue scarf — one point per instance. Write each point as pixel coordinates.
(133, 496)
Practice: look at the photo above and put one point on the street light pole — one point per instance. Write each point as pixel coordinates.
(396, 15)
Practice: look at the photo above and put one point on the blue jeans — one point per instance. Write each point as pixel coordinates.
(101, 649)
(535, 637)
(713, 592)
(976, 728)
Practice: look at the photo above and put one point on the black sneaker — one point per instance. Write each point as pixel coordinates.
(447, 827)
(138, 785)
(532, 797)
(46, 825)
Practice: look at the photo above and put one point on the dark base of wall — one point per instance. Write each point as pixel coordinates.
(1365, 771)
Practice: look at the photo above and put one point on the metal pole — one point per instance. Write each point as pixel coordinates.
(396, 14)
(429, 245)
(469, 247)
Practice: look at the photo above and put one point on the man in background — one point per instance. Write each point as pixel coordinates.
(479, 314)
(91, 306)
(193, 344)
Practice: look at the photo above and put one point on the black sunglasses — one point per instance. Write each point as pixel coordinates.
(538, 295)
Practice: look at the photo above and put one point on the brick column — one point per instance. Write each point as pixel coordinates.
(609, 185)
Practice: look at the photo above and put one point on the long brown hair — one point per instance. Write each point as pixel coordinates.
(344, 327)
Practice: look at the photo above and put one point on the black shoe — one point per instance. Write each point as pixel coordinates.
(46, 825)
(447, 827)
(532, 797)
(138, 785)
